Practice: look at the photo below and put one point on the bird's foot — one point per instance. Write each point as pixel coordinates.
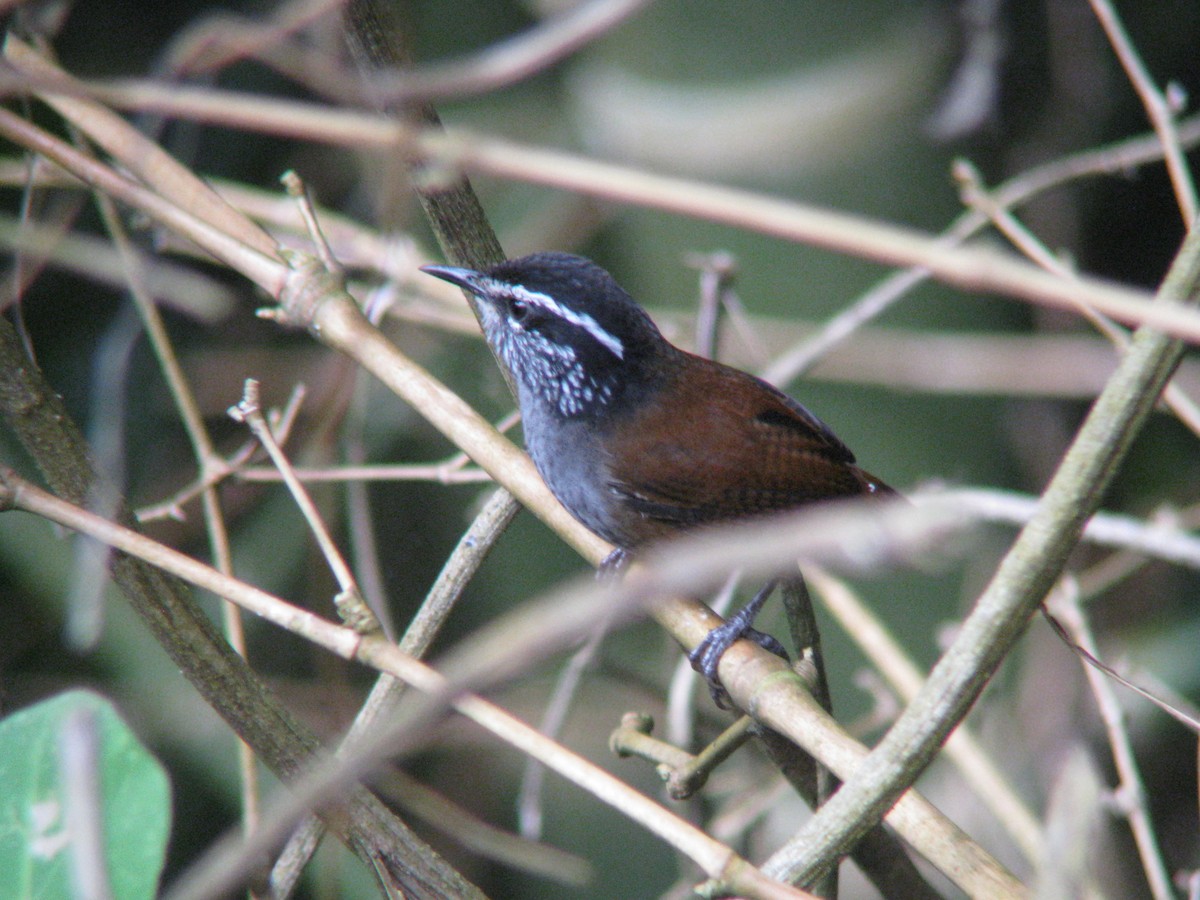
(706, 657)
(614, 565)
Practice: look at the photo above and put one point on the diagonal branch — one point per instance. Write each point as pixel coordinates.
(40, 418)
(1018, 587)
(969, 268)
(750, 673)
(586, 605)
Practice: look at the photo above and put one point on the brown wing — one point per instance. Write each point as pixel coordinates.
(758, 452)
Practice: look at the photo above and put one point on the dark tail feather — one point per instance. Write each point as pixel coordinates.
(872, 485)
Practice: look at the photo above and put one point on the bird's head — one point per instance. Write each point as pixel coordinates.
(571, 336)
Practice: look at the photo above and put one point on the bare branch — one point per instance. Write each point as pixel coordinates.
(594, 600)
(969, 268)
(1158, 110)
(1063, 603)
(1016, 589)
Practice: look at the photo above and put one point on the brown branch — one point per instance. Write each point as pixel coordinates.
(969, 268)
(314, 300)
(1159, 112)
(472, 664)
(143, 157)
(748, 672)
(1016, 589)
(505, 62)
(50, 436)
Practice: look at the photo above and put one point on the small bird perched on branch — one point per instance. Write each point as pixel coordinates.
(637, 438)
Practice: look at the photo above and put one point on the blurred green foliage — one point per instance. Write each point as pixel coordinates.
(47, 754)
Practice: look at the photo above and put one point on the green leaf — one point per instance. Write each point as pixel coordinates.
(40, 839)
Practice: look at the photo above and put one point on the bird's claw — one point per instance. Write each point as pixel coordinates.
(706, 657)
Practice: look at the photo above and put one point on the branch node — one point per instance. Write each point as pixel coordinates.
(355, 613)
(682, 773)
(306, 285)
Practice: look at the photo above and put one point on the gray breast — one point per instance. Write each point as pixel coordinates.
(568, 455)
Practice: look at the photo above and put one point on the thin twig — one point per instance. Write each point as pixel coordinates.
(366, 549)
(207, 461)
(1158, 111)
(975, 194)
(1116, 158)
(220, 40)
(1188, 720)
(554, 716)
(453, 471)
(717, 272)
(837, 329)
(683, 772)
(973, 763)
(970, 268)
(489, 842)
(297, 190)
(220, 468)
(594, 600)
(456, 574)
(1063, 603)
(1160, 538)
(349, 600)
(505, 62)
(1018, 586)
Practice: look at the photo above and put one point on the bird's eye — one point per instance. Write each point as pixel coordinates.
(520, 312)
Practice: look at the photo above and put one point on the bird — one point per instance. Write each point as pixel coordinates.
(639, 439)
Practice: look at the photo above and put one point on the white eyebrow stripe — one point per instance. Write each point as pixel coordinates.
(583, 320)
